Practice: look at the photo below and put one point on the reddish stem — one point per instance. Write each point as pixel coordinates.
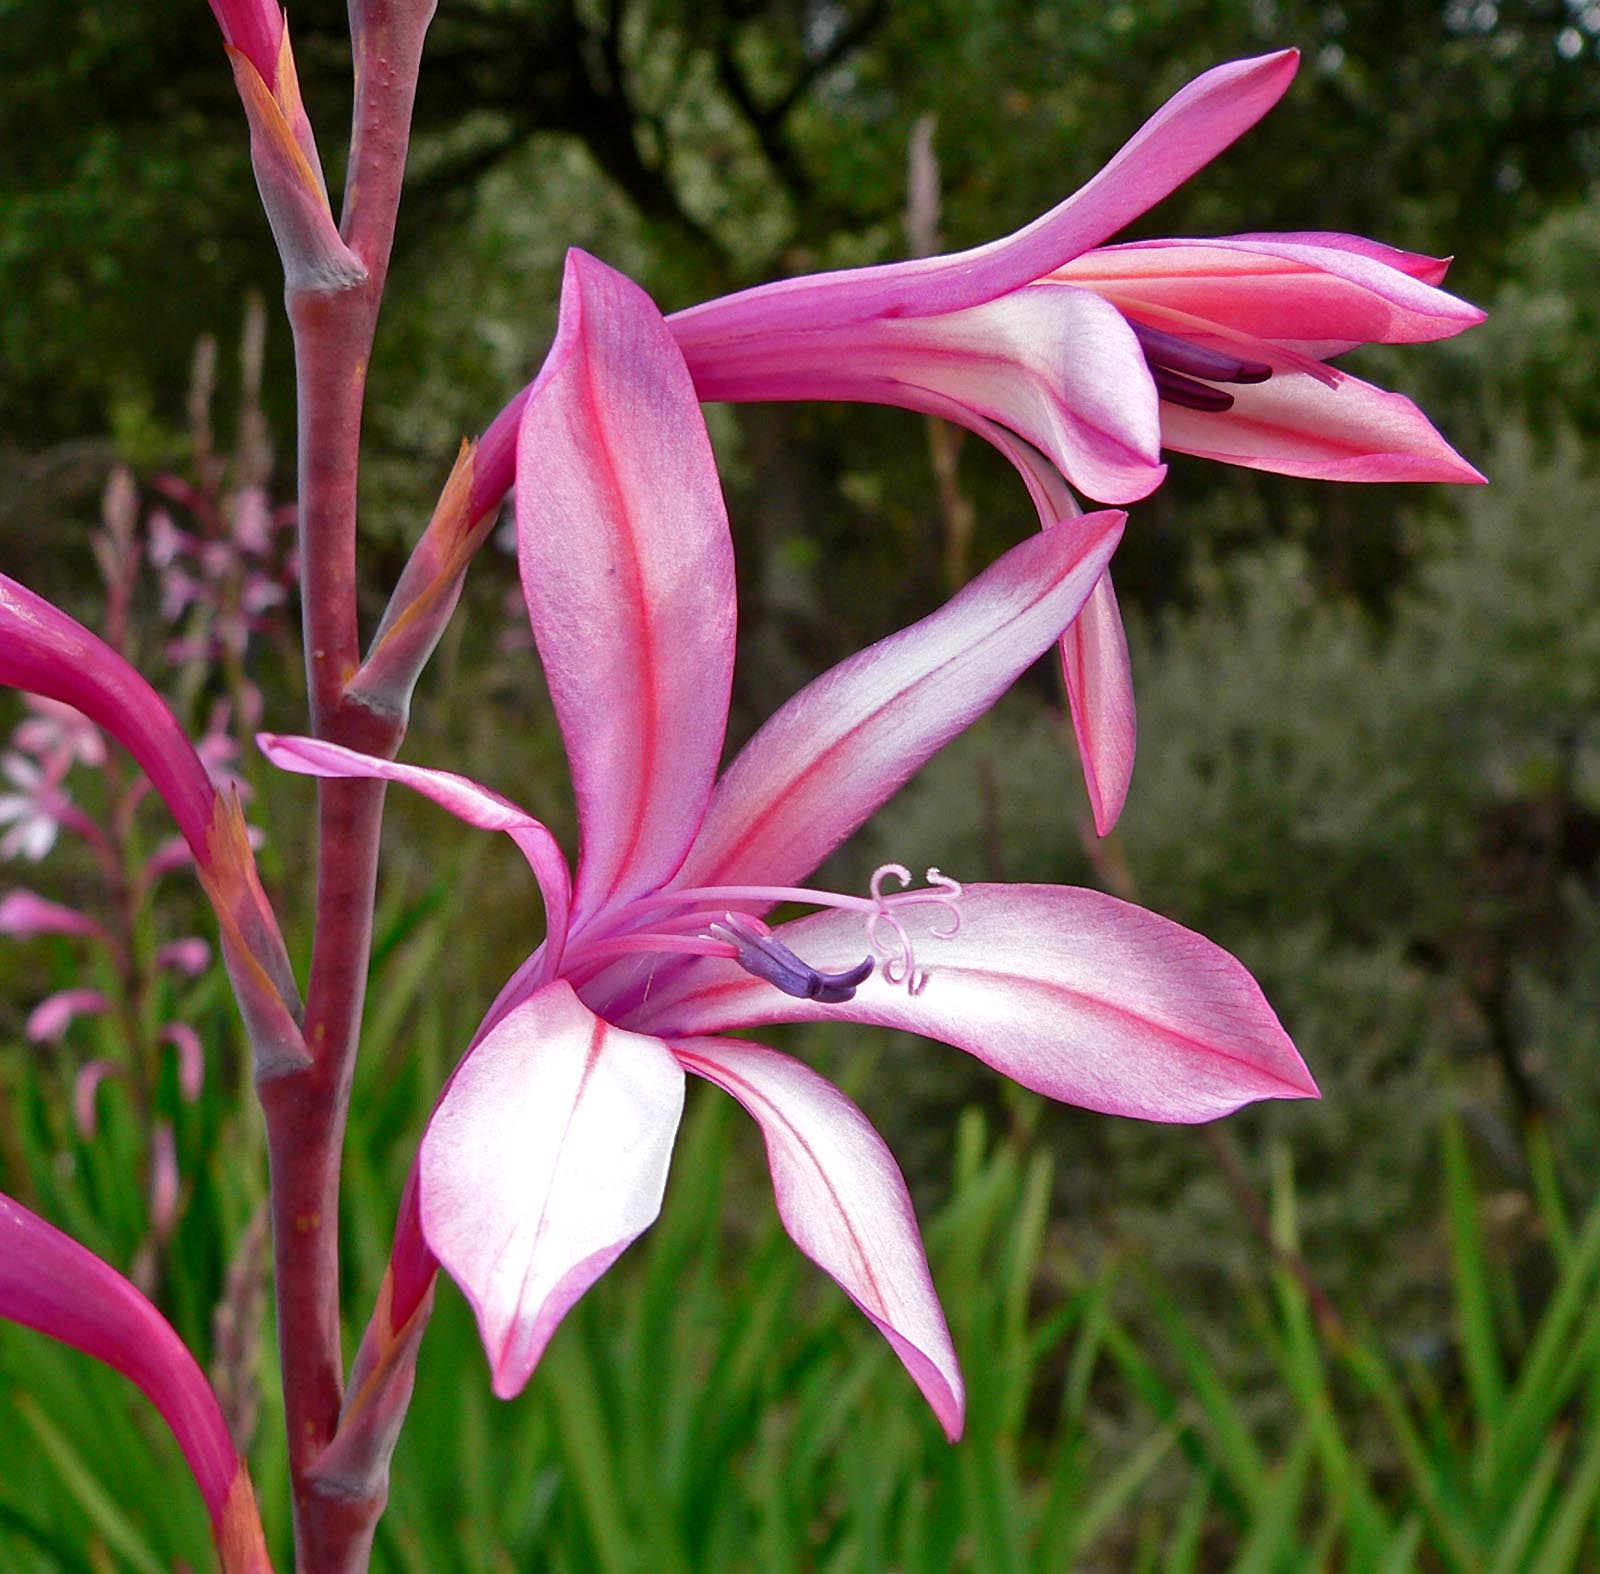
(306, 1110)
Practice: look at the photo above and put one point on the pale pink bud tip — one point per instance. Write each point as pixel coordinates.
(26, 915)
(163, 1181)
(84, 1090)
(51, 1018)
(191, 1058)
(190, 955)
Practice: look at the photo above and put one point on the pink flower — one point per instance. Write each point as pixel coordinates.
(50, 1283)
(33, 812)
(1084, 361)
(45, 652)
(549, 1148)
(49, 1020)
(25, 915)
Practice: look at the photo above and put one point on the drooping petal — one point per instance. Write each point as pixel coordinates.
(627, 566)
(1094, 651)
(546, 1157)
(1057, 365)
(1099, 683)
(1279, 288)
(1295, 425)
(1183, 136)
(842, 1198)
(51, 1018)
(1072, 993)
(464, 798)
(24, 914)
(849, 741)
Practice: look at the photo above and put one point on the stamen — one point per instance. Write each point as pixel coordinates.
(757, 952)
(1168, 352)
(1185, 391)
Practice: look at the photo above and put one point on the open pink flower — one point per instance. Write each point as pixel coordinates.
(548, 1151)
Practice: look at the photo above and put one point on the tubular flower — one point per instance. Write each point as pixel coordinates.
(548, 1151)
(1084, 361)
(50, 1283)
(45, 652)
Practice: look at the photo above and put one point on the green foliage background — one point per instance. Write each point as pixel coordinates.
(1367, 766)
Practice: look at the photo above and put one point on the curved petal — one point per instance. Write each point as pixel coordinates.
(45, 652)
(464, 798)
(26, 914)
(1071, 993)
(1094, 652)
(849, 741)
(51, 1018)
(1184, 135)
(627, 567)
(1099, 682)
(545, 1158)
(1431, 270)
(843, 1200)
(1274, 288)
(51, 1283)
(1055, 364)
(1295, 425)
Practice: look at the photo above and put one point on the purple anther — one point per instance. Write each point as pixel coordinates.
(1167, 352)
(1187, 392)
(771, 960)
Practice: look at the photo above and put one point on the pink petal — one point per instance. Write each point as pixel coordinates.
(1099, 681)
(1275, 288)
(51, 1018)
(628, 570)
(546, 1157)
(85, 1088)
(163, 1199)
(1094, 652)
(848, 742)
(842, 1198)
(191, 955)
(25, 915)
(1071, 993)
(186, 1046)
(464, 798)
(1295, 425)
(1431, 270)
(50, 1283)
(45, 652)
(255, 29)
(1056, 365)
(1183, 136)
